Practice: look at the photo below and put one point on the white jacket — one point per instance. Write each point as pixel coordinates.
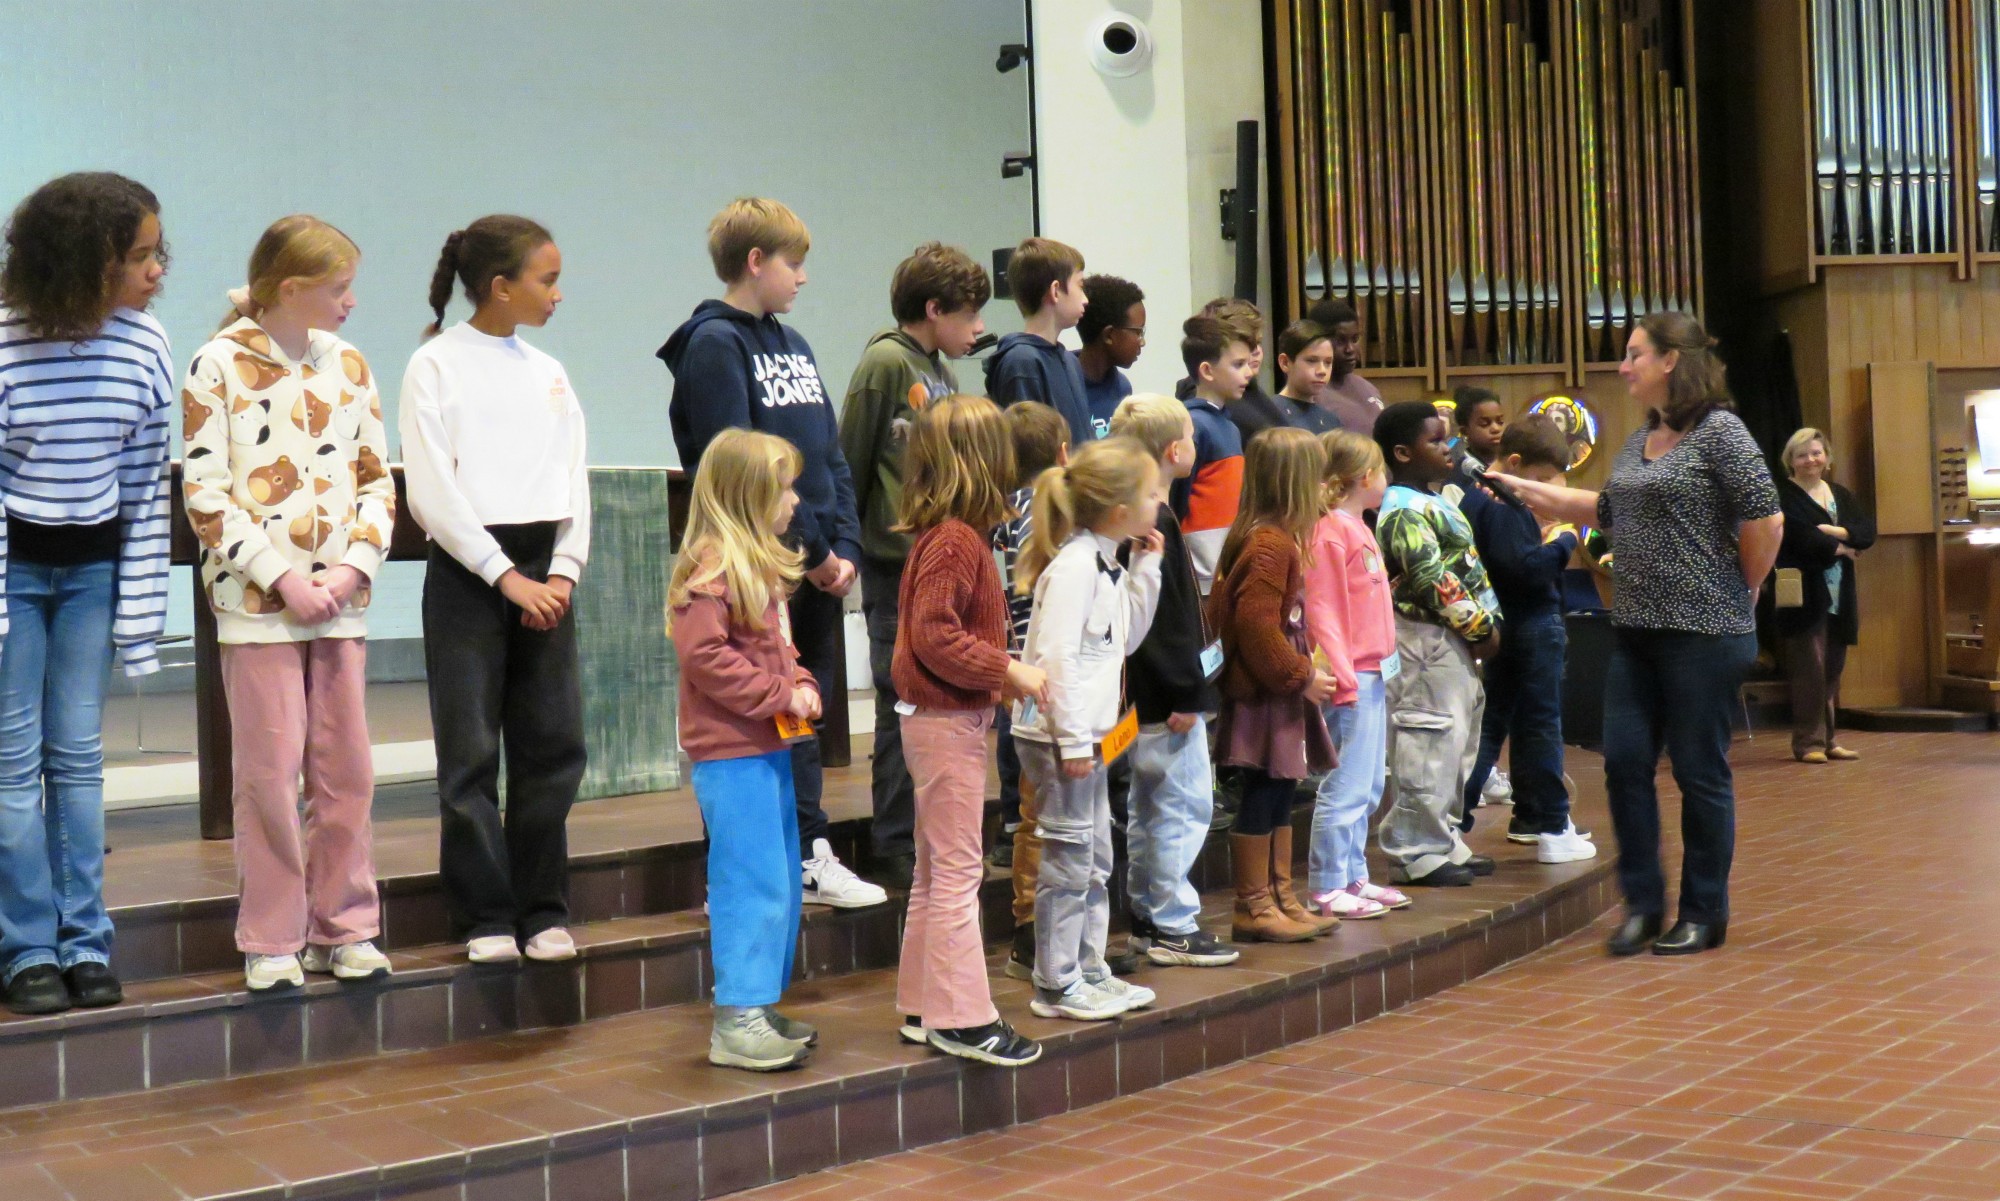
(1085, 620)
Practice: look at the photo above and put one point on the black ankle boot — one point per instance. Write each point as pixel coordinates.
(1634, 934)
(1691, 938)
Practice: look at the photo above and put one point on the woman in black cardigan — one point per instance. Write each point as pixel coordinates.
(1826, 527)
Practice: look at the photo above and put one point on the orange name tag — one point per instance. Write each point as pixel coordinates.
(1121, 737)
(793, 729)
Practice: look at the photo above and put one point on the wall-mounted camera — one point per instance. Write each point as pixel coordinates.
(1014, 163)
(1012, 55)
(1120, 45)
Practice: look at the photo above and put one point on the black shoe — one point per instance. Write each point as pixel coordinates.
(1450, 875)
(1480, 865)
(37, 989)
(1122, 963)
(1523, 832)
(1003, 852)
(1021, 963)
(912, 1030)
(1199, 949)
(1634, 934)
(92, 985)
(995, 1043)
(894, 872)
(1142, 933)
(1691, 938)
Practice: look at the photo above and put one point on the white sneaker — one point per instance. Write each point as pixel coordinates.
(1499, 789)
(266, 972)
(828, 882)
(493, 948)
(551, 945)
(1566, 847)
(1082, 1001)
(1134, 996)
(349, 961)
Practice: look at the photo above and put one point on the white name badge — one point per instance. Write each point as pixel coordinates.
(1211, 660)
(1392, 666)
(906, 709)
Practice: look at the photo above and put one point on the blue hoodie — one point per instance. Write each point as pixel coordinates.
(735, 371)
(1027, 366)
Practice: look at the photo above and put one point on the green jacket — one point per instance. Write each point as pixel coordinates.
(894, 379)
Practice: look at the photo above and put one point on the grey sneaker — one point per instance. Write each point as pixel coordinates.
(1081, 1001)
(1132, 996)
(791, 1028)
(743, 1038)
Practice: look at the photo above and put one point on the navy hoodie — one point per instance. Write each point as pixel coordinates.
(1027, 366)
(1525, 571)
(733, 370)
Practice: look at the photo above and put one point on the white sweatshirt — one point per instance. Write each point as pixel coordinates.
(493, 435)
(1085, 620)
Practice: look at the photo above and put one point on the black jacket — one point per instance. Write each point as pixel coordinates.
(1526, 572)
(1163, 673)
(1812, 552)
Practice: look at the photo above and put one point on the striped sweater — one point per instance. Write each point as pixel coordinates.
(83, 440)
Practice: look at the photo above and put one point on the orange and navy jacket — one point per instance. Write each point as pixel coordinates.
(1207, 499)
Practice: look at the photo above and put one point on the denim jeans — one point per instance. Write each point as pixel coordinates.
(1352, 791)
(893, 796)
(1172, 801)
(52, 673)
(1674, 691)
(1524, 703)
(754, 883)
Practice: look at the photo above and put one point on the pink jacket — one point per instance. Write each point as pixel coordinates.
(1350, 615)
(734, 680)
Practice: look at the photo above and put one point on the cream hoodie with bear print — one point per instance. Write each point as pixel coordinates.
(284, 470)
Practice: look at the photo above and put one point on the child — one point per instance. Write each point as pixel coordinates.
(83, 557)
(736, 366)
(1481, 420)
(1352, 400)
(1113, 330)
(935, 295)
(287, 571)
(1088, 614)
(740, 679)
(1352, 620)
(1305, 360)
(1169, 677)
(1219, 363)
(493, 455)
(1446, 619)
(1041, 441)
(1046, 279)
(951, 668)
(1270, 722)
(1256, 410)
(1524, 681)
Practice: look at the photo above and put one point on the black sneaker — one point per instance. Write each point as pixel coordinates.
(37, 989)
(1141, 933)
(995, 1043)
(1122, 963)
(912, 1031)
(1003, 852)
(1481, 865)
(93, 986)
(1449, 875)
(1522, 832)
(1021, 963)
(1199, 949)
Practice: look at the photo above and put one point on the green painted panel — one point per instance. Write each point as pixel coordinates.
(627, 663)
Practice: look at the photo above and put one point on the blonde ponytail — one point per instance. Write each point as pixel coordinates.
(298, 247)
(1099, 478)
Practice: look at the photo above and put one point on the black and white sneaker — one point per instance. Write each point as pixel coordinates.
(912, 1031)
(1199, 949)
(1522, 831)
(995, 1043)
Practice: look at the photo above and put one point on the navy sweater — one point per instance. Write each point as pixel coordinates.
(1026, 366)
(733, 370)
(1525, 571)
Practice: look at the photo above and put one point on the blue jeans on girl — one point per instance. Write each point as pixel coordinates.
(754, 884)
(1350, 793)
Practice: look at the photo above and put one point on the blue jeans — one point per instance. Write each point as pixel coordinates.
(1524, 703)
(1671, 690)
(754, 885)
(1172, 801)
(1351, 792)
(52, 671)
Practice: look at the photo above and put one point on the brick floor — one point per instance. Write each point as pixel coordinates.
(1844, 1044)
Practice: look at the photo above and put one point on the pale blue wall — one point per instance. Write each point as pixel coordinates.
(621, 124)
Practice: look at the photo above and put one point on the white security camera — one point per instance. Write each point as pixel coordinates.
(1120, 45)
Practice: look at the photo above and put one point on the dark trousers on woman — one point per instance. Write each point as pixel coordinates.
(1674, 691)
(1814, 660)
(495, 682)
(819, 637)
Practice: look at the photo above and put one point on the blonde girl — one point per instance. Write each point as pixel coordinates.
(1351, 622)
(741, 686)
(1270, 722)
(293, 508)
(950, 669)
(1089, 612)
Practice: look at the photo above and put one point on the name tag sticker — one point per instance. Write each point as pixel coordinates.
(1121, 737)
(793, 729)
(1392, 666)
(1026, 713)
(906, 709)
(1211, 660)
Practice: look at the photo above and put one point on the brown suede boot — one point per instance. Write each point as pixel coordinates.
(1258, 918)
(1281, 885)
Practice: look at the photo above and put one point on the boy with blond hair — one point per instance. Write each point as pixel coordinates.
(1045, 278)
(736, 366)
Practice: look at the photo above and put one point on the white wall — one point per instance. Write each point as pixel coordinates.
(1130, 169)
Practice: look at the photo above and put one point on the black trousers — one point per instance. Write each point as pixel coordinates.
(818, 635)
(894, 795)
(493, 681)
(1267, 803)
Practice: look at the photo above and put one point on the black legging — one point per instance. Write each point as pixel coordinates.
(1267, 803)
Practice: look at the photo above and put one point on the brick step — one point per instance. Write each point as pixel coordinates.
(626, 1107)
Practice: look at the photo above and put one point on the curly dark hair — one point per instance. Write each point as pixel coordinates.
(1107, 299)
(65, 244)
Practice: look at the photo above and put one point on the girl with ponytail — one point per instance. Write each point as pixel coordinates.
(493, 450)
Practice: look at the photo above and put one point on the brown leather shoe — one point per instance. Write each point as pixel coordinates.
(1281, 885)
(1258, 918)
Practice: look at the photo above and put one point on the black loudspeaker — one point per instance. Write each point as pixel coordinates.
(1243, 211)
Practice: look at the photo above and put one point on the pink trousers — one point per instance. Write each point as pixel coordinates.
(299, 706)
(942, 977)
